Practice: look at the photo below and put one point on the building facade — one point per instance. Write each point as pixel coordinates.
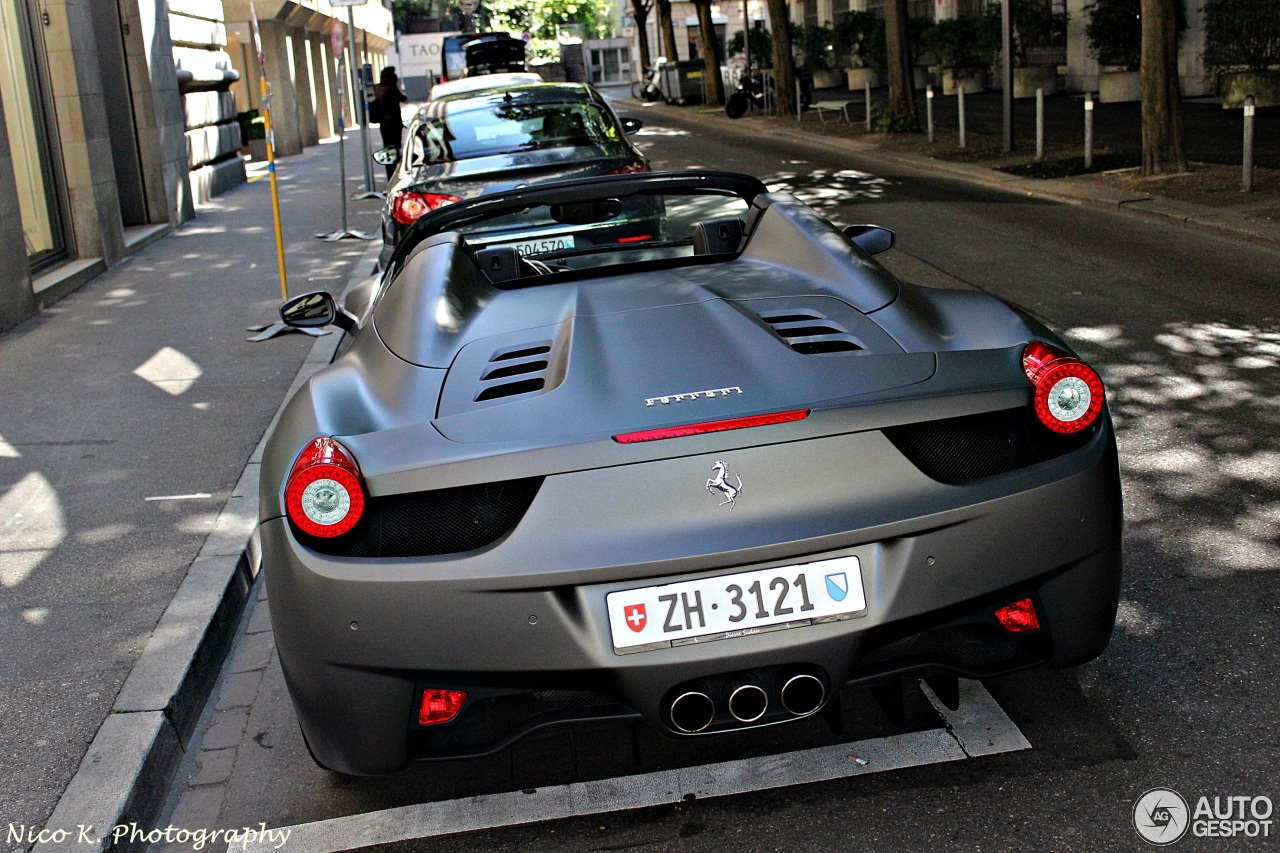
(117, 117)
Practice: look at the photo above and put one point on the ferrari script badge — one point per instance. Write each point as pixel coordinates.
(720, 483)
(693, 395)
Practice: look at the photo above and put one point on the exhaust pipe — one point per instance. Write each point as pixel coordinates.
(802, 694)
(747, 703)
(692, 712)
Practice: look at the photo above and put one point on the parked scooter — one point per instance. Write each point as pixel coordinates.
(751, 93)
(649, 88)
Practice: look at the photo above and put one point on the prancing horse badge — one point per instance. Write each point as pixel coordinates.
(720, 483)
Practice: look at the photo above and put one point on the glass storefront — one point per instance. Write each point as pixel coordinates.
(29, 134)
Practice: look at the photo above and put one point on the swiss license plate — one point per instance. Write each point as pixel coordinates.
(539, 246)
(735, 605)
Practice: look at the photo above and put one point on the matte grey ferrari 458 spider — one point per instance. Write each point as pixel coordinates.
(707, 475)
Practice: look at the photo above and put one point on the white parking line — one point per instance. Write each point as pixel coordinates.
(979, 727)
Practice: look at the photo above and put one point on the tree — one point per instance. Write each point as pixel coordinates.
(640, 11)
(784, 70)
(710, 53)
(902, 93)
(667, 30)
(1163, 145)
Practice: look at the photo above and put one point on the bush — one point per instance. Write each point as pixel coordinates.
(1242, 34)
(854, 37)
(1115, 31)
(970, 43)
(815, 48)
(252, 125)
(761, 46)
(1034, 26)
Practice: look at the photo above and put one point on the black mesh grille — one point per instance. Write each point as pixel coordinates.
(423, 524)
(972, 648)
(954, 450)
(490, 722)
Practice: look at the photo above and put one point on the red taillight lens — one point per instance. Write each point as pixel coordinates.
(1019, 617)
(1068, 392)
(440, 706)
(711, 426)
(324, 495)
(408, 207)
(629, 169)
(639, 238)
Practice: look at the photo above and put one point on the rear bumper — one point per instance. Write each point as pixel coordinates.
(527, 618)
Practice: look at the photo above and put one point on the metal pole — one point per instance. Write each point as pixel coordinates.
(359, 110)
(746, 35)
(344, 232)
(866, 93)
(1039, 124)
(799, 108)
(264, 88)
(1006, 71)
(928, 110)
(960, 103)
(1088, 130)
(1248, 143)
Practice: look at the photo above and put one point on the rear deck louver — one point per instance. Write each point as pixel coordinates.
(808, 332)
(514, 371)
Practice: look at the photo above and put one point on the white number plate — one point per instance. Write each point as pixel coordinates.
(539, 246)
(735, 605)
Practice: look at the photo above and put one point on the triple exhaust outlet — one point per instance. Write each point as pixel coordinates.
(694, 711)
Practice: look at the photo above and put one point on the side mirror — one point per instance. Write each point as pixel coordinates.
(872, 239)
(387, 156)
(631, 125)
(315, 311)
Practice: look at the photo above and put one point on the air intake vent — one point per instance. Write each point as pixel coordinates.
(810, 333)
(513, 371)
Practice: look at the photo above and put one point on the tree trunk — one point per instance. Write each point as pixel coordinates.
(710, 55)
(1163, 144)
(784, 69)
(667, 30)
(902, 92)
(640, 11)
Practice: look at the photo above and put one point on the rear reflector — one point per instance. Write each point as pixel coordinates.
(637, 239)
(711, 426)
(440, 706)
(1019, 617)
(1068, 393)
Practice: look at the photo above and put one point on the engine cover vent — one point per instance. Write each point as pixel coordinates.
(513, 371)
(809, 332)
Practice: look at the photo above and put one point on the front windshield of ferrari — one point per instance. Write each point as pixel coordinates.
(511, 128)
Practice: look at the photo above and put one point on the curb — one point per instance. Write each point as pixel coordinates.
(1194, 217)
(124, 777)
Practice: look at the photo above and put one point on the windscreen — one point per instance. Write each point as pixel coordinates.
(595, 232)
(512, 128)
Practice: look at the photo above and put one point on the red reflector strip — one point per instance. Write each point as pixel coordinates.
(440, 706)
(711, 426)
(1019, 616)
(639, 239)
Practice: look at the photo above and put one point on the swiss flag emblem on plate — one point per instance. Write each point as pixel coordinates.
(635, 616)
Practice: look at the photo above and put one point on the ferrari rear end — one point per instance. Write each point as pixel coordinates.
(709, 494)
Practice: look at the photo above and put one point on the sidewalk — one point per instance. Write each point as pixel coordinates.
(130, 410)
(1208, 199)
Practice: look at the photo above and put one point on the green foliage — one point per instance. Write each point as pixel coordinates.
(854, 38)
(1034, 26)
(252, 125)
(1242, 34)
(815, 48)
(969, 43)
(1115, 32)
(761, 46)
(540, 18)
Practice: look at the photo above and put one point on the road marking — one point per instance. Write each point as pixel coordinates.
(979, 727)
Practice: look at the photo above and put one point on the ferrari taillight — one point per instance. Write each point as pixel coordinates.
(711, 426)
(324, 495)
(439, 706)
(1068, 392)
(1019, 617)
(408, 207)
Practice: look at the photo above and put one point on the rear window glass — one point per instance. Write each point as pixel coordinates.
(512, 128)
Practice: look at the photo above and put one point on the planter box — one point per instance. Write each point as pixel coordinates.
(1117, 86)
(859, 78)
(972, 81)
(1263, 85)
(1027, 80)
(257, 149)
(826, 79)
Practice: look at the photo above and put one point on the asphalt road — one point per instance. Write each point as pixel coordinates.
(1185, 329)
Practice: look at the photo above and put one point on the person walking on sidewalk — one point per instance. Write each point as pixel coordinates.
(385, 110)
